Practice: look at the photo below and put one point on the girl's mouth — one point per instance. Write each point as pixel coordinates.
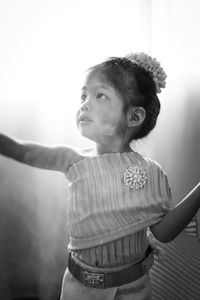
(83, 120)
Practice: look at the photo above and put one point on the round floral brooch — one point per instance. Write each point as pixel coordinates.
(135, 177)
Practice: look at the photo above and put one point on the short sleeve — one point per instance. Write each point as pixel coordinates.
(165, 189)
(159, 192)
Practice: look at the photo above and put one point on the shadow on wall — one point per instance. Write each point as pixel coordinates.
(176, 140)
(187, 155)
(17, 253)
(32, 233)
(191, 131)
(177, 274)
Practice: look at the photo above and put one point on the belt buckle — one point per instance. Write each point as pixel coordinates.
(94, 280)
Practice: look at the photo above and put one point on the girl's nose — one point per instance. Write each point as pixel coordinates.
(84, 107)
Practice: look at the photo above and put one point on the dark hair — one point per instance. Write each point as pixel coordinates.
(136, 87)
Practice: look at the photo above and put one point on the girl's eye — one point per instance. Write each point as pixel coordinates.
(83, 97)
(101, 96)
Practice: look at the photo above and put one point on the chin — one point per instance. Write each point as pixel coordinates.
(90, 137)
(85, 133)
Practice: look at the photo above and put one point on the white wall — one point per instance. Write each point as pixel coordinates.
(45, 46)
(175, 37)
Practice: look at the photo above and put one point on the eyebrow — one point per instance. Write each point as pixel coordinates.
(99, 86)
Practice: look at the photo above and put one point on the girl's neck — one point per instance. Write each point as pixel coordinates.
(101, 149)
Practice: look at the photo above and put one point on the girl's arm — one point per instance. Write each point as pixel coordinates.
(57, 158)
(178, 217)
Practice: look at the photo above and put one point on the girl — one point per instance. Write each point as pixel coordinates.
(115, 194)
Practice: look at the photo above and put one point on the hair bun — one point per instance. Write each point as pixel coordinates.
(152, 66)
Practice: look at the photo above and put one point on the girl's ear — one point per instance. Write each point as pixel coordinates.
(135, 116)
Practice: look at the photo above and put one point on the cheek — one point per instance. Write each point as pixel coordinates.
(104, 118)
(112, 117)
(109, 123)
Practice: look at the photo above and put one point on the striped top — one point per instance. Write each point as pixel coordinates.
(123, 251)
(102, 208)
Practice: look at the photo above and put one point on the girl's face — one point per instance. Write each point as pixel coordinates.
(100, 116)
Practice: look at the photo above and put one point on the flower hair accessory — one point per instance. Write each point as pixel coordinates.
(152, 66)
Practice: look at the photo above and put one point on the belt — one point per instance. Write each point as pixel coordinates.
(111, 279)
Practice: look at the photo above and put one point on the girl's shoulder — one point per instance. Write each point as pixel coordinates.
(153, 166)
(79, 154)
(151, 162)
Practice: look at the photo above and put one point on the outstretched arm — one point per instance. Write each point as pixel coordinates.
(178, 217)
(41, 156)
